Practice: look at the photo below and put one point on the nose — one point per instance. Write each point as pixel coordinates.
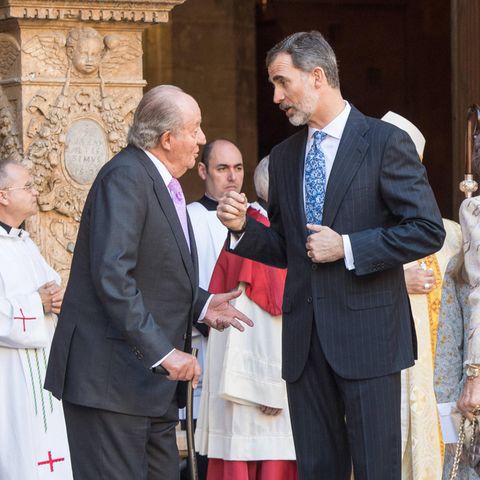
(278, 95)
(201, 139)
(232, 174)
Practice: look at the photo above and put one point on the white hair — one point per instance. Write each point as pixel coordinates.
(260, 178)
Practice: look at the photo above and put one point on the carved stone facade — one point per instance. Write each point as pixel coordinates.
(68, 89)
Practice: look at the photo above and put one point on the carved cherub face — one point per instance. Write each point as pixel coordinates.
(85, 48)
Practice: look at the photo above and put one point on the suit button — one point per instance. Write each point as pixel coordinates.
(314, 266)
(309, 300)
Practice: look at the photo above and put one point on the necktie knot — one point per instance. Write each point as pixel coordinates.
(318, 137)
(176, 191)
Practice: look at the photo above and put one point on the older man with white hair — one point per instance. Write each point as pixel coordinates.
(131, 300)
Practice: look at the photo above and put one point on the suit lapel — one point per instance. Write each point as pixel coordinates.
(166, 204)
(295, 176)
(350, 155)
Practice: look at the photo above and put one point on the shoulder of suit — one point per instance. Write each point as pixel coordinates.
(293, 142)
(123, 163)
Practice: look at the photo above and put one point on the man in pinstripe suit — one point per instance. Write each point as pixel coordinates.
(348, 329)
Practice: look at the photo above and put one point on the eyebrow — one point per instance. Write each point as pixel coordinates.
(220, 165)
(276, 78)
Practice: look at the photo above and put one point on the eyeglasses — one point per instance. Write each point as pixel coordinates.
(28, 188)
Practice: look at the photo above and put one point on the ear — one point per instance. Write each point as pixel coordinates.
(319, 76)
(202, 171)
(166, 140)
(3, 198)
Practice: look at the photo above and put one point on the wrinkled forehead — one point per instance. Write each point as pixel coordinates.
(281, 67)
(189, 108)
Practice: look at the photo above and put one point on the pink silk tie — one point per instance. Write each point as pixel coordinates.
(179, 201)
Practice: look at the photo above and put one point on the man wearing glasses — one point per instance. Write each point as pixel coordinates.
(33, 436)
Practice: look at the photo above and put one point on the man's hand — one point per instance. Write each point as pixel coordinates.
(270, 410)
(324, 245)
(470, 398)
(232, 210)
(419, 280)
(220, 314)
(51, 295)
(182, 366)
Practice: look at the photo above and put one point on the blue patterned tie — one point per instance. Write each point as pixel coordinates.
(315, 180)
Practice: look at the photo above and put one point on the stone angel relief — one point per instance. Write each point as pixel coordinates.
(82, 53)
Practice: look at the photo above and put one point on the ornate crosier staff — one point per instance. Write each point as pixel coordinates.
(469, 185)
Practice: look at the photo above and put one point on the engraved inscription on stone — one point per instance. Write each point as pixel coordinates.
(86, 150)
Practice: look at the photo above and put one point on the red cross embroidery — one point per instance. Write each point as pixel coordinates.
(23, 318)
(51, 461)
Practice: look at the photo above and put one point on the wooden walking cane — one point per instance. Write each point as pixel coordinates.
(469, 185)
(192, 459)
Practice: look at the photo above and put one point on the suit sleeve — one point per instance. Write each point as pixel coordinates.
(416, 228)
(261, 243)
(118, 214)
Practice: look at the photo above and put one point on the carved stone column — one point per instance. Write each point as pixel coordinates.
(70, 79)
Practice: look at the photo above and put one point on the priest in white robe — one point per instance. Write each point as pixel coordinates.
(33, 439)
(221, 169)
(244, 423)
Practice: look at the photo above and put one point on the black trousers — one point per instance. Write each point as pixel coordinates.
(337, 422)
(113, 446)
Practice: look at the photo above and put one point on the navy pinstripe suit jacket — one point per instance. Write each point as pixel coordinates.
(379, 195)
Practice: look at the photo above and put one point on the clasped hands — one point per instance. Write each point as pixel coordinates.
(51, 295)
(323, 244)
(220, 314)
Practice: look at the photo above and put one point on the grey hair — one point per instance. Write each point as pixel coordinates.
(308, 50)
(260, 178)
(3, 171)
(156, 113)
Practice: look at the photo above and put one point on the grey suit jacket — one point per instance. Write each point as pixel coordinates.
(379, 195)
(131, 297)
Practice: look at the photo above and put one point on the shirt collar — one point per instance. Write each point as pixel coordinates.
(208, 203)
(162, 169)
(336, 126)
(8, 231)
(6, 227)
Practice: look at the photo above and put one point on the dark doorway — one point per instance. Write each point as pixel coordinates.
(393, 55)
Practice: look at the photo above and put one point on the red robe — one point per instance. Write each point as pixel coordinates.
(264, 286)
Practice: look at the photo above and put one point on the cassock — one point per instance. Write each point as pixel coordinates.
(243, 372)
(210, 236)
(33, 439)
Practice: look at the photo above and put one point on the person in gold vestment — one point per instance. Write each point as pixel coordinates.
(421, 436)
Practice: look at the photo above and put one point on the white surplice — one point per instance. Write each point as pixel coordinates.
(210, 235)
(33, 439)
(243, 371)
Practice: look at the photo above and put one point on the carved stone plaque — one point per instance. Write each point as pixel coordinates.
(86, 150)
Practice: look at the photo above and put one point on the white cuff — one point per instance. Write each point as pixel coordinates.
(204, 309)
(234, 240)
(347, 248)
(162, 359)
